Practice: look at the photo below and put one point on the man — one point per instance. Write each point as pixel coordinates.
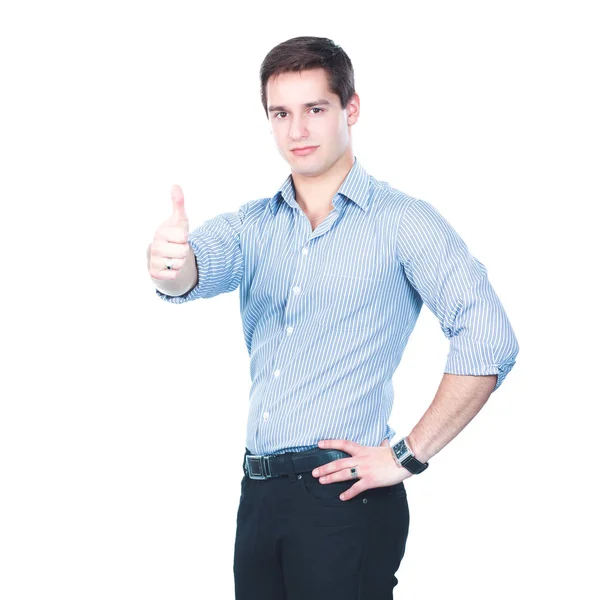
(333, 270)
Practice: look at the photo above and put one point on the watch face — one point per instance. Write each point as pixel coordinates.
(400, 448)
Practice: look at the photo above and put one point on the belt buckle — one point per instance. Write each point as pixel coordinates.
(257, 466)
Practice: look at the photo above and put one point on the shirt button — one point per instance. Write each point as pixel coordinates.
(277, 373)
(296, 289)
(305, 251)
(266, 416)
(289, 330)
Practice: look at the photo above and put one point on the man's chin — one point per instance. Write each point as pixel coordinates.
(311, 170)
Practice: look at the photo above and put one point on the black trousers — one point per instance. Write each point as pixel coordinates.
(296, 540)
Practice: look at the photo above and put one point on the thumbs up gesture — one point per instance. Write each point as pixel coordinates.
(170, 251)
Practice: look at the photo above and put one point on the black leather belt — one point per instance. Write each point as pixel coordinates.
(266, 466)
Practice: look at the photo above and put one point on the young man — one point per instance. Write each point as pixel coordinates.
(333, 271)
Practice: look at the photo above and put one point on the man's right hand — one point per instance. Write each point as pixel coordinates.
(170, 245)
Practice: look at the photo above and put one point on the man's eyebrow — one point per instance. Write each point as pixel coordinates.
(307, 105)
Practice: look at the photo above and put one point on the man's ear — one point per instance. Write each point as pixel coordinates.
(353, 109)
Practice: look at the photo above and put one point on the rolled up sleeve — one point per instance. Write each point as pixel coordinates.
(454, 285)
(219, 258)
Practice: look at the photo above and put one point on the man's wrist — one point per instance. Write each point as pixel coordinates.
(416, 449)
(405, 457)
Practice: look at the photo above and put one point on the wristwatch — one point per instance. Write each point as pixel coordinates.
(404, 457)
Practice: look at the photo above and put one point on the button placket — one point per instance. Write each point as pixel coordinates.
(296, 291)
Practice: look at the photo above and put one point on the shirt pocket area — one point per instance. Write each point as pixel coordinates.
(350, 302)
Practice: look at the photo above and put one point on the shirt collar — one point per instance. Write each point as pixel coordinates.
(356, 187)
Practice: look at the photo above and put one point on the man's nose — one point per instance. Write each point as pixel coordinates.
(298, 130)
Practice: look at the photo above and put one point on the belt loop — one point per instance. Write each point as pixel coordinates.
(244, 465)
(291, 470)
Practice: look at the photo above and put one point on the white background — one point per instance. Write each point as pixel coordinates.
(122, 421)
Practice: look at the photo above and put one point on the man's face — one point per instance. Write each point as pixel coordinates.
(303, 112)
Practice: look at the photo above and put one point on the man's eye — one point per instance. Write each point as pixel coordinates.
(277, 115)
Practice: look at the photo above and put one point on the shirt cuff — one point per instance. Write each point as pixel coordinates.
(471, 357)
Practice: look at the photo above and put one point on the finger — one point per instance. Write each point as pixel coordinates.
(178, 205)
(163, 249)
(343, 445)
(359, 487)
(170, 232)
(334, 466)
(385, 442)
(158, 263)
(163, 274)
(341, 475)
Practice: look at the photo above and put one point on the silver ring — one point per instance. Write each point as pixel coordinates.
(353, 473)
(169, 264)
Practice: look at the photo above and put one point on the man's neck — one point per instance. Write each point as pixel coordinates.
(315, 194)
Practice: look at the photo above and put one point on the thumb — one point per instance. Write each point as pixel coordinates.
(178, 207)
(385, 442)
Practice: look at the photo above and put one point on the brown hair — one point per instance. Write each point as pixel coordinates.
(307, 52)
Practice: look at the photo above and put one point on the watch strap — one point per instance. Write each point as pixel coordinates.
(413, 465)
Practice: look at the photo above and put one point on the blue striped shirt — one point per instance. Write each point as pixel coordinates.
(326, 314)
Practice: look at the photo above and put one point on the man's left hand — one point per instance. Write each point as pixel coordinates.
(375, 466)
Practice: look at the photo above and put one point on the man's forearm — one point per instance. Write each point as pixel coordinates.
(458, 399)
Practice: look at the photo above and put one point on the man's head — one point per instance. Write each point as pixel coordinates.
(307, 92)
